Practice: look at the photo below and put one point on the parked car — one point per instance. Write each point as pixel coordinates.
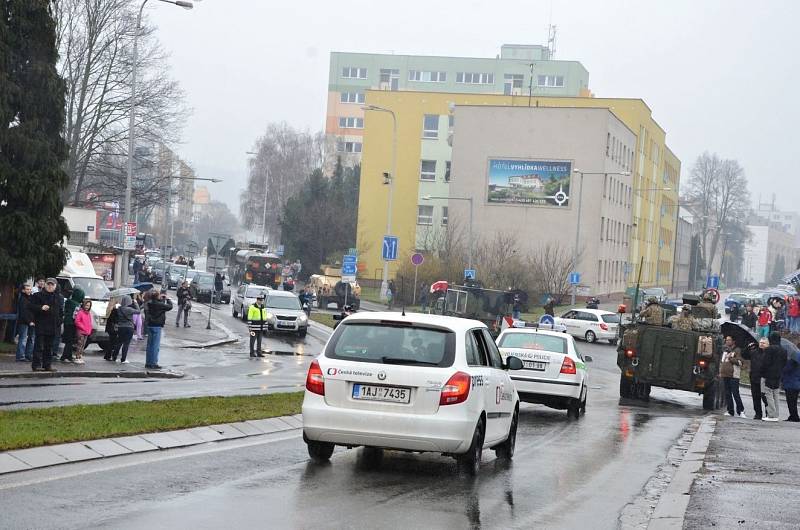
(591, 324)
(174, 276)
(244, 297)
(411, 382)
(190, 275)
(202, 287)
(740, 298)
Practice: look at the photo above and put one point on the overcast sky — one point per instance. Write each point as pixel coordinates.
(719, 75)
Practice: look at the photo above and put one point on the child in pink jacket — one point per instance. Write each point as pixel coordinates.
(83, 328)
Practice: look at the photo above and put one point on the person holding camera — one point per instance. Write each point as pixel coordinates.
(184, 304)
(157, 307)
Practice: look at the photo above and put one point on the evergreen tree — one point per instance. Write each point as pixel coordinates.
(32, 150)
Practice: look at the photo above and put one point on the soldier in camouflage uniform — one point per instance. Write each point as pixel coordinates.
(652, 314)
(707, 308)
(684, 320)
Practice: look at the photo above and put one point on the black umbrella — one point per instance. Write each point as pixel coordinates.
(791, 348)
(741, 335)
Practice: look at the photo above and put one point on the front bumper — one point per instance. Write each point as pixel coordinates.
(447, 431)
(288, 326)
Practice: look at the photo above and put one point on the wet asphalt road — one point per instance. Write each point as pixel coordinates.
(566, 474)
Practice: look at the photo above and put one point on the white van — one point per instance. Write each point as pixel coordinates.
(79, 272)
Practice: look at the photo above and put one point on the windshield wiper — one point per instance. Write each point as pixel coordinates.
(399, 360)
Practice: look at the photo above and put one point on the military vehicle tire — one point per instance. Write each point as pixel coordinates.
(710, 397)
(625, 387)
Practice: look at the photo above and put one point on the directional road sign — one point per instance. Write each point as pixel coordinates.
(713, 282)
(391, 245)
(574, 278)
(281, 250)
(469, 274)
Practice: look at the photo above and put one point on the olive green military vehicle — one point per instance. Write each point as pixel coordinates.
(660, 356)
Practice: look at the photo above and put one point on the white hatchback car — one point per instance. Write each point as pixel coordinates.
(415, 382)
(591, 324)
(554, 371)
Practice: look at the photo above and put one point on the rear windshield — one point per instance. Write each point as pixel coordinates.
(610, 319)
(387, 343)
(533, 341)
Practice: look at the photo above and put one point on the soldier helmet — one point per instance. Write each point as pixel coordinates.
(686, 308)
(652, 300)
(708, 296)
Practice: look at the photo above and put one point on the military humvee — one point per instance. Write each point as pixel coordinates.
(660, 356)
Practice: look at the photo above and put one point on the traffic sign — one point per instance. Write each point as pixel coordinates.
(712, 282)
(349, 258)
(391, 245)
(417, 259)
(469, 274)
(130, 236)
(352, 252)
(574, 278)
(281, 250)
(348, 269)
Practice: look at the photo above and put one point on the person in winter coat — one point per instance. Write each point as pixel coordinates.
(734, 312)
(25, 325)
(138, 323)
(71, 307)
(791, 384)
(730, 369)
(47, 306)
(749, 318)
(549, 307)
(157, 307)
(794, 314)
(756, 356)
(218, 286)
(126, 310)
(774, 361)
(184, 304)
(83, 329)
(111, 328)
(763, 323)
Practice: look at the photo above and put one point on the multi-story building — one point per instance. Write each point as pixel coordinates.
(426, 125)
(518, 163)
(783, 220)
(769, 254)
(517, 70)
(681, 273)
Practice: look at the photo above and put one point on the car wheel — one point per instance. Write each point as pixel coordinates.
(574, 409)
(470, 462)
(590, 336)
(506, 449)
(233, 311)
(625, 387)
(583, 402)
(319, 451)
(613, 342)
(303, 333)
(371, 457)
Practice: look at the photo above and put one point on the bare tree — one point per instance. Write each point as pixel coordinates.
(95, 46)
(285, 157)
(549, 268)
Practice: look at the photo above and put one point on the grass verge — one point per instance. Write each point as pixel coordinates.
(325, 319)
(34, 427)
(8, 347)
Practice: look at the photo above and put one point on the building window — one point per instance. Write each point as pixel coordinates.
(473, 78)
(447, 171)
(550, 80)
(348, 147)
(390, 78)
(427, 170)
(444, 215)
(352, 72)
(427, 77)
(352, 97)
(512, 84)
(424, 215)
(430, 126)
(351, 123)
(80, 239)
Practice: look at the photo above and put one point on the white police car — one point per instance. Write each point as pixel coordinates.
(413, 383)
(554, 371)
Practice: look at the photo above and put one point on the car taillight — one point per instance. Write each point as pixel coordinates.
(456, 389)
(604, 327)
(314, 381)
(702, 363)
(630, 353)
(568, 366)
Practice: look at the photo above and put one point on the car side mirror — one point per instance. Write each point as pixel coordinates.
(513, 363)
(588, 358)
(338, 317)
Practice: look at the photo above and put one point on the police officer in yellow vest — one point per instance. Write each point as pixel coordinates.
(256, 316)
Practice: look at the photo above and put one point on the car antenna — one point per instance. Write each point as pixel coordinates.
(404, 311)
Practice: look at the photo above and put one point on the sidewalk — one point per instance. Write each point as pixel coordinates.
(52, 455)
(750, 477)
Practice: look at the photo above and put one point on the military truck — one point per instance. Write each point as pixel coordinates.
(478, 303)
(660, 356)
(328, 288)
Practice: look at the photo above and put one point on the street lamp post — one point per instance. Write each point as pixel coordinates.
(385, 279)
(578, 224)
(471, 240)
(132, 110)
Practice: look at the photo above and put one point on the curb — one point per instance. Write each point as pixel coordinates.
(53, 455)
(324, 331)
(670, 511)
(93, 373)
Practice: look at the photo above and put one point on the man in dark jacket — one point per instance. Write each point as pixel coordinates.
(157, 307)
(755, 354)
(47, 307)
(184, 304)
(772, 369)
(25, 325)
(749, 318)
(70, 307)
(549, 307)
(218, 286)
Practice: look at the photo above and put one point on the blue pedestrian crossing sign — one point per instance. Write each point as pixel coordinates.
(574, 278)
(469, 274)
(391, 245)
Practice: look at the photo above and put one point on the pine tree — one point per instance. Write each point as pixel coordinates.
(32, 150)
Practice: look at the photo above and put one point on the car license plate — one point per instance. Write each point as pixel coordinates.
(285, 324)
(392, 394)
(534, 365)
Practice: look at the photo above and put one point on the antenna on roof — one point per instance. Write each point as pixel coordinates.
(404, 311)
(551, 42)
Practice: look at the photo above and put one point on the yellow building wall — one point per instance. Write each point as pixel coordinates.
(656, 167)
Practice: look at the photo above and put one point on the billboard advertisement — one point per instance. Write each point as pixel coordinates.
(529, 182)
(104, 266)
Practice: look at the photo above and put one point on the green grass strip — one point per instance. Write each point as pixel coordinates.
(323, 318)
(34, 427)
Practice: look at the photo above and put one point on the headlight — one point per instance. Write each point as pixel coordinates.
(303, 317)
(270, 316)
